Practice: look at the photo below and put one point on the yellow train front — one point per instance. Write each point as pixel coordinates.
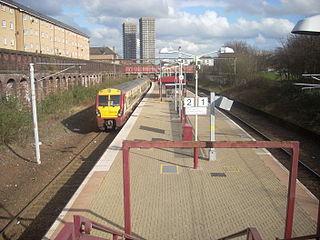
(114, 105)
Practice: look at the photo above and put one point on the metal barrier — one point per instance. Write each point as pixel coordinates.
(126, 145)
(316, 236)
(252, 234)
(81, 228)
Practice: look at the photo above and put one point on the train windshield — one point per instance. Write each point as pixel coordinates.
(114, 100)
(103, 100)
(109, 100)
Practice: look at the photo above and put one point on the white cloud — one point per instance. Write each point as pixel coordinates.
(210, 29)
(126, 8)
(106, 37)
(265, 8)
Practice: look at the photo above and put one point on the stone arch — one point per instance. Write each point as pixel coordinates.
(74, 81)
(45, 86)
(57, 86)
(11, 87)
(86, 81)
(63, 83)
(51, 85)
(69, 82)
(24, 90)
(83, 81)
(1, 90)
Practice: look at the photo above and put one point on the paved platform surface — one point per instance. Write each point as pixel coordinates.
(188, 203)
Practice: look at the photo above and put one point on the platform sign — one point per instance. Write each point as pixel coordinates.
(223, 102)
(188, 102)
(196, 110)
(203, 102)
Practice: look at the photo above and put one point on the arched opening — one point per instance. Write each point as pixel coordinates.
(69, 82)
(24, 90)
(63, 83)
(10, 88)
(44, 86)
(1, 90)
(58, 84)
(51, 85)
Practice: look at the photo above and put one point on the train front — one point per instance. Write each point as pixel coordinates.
(108, 108)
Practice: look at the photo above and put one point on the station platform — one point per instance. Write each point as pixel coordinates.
(170, 200)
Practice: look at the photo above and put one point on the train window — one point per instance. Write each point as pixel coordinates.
(103, 100)
(114, 100)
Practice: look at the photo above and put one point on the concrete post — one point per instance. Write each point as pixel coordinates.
(34, 114)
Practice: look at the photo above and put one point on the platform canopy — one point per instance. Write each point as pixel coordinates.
(308, 26)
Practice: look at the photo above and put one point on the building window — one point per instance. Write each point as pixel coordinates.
(11, 25)
(26, 47)
(3, 7)
(4, 41)
(42, 35)
(4, 23)
(12, 42)
(11, 10)
(24, 17)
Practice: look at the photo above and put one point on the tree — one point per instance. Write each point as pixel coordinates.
(299, 54)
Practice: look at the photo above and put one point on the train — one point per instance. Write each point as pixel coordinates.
(115, 105)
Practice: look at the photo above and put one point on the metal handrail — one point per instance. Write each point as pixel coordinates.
(251, 232)
(314, 236)
(81, 227)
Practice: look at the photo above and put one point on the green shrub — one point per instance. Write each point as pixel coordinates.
(15, 121)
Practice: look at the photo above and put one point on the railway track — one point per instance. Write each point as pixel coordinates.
(263, 127)
(36, 217)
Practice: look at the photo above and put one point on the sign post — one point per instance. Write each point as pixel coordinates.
(212, 151)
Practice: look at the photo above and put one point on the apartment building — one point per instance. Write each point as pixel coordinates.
(147, 38)
(24, 29)
(129, 35)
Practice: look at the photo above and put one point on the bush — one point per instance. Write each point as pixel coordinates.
(15, 121)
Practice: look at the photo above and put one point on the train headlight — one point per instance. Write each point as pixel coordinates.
(98, 113)
(120, 113)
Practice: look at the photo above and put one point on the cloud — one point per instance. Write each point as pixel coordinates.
(106, 37)
(127, 8)
(212, 27)
(265, 8)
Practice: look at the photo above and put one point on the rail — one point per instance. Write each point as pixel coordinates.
(251, 232)
(294, 145)
(316, 236)
(81, 227)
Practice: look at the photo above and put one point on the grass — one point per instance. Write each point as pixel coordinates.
(270, 75)
(16, 119)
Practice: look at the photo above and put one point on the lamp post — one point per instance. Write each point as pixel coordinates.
(196, 59)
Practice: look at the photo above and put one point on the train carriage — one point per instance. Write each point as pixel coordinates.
(114, 105)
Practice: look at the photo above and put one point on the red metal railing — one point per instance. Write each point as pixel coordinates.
(317, 237)
(251, 232)
(126, 145)
(81, 228)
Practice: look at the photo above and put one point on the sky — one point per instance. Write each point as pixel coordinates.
(198, 26)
